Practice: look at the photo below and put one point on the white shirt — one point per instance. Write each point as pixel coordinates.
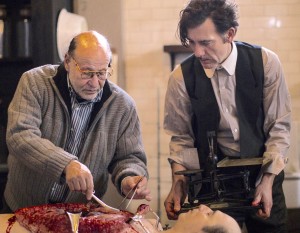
(277, 109)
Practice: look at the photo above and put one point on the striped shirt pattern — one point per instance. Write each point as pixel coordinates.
(81, 112)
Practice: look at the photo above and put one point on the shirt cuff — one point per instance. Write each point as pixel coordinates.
(273, 163)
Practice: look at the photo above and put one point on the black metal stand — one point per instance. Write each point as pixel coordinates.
(213, 188)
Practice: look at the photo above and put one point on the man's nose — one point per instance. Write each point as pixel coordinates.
(199, 50)
(94, 80)
(204, 209)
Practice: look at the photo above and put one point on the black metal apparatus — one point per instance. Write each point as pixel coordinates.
(225, 189)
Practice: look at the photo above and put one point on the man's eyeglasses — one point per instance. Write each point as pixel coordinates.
(88, 74)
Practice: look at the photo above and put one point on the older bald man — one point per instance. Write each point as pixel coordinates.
(69, 127)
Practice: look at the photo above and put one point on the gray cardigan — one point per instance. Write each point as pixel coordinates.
(38, 126)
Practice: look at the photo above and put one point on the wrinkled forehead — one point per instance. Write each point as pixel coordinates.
(97, 56)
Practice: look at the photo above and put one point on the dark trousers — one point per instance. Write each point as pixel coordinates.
(277, 222)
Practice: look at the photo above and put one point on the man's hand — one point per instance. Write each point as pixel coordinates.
(175, 198)
(79, 178)
(263, 194)
(142, 192)
(177, 193)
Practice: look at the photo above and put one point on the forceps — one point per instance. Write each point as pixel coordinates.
(134, 188)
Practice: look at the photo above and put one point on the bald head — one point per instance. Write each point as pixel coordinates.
(89, 43)
(89, 56)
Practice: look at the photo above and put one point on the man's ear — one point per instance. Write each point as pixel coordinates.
(230, 34)
(67, 61)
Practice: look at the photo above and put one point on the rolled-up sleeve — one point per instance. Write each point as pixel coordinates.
(277, 108)
(177, 122)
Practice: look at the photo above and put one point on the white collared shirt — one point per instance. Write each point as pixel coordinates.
(277, 109)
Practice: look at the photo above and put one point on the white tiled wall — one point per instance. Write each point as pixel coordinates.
(146, 26)
(149, 25)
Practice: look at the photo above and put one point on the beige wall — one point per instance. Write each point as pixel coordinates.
(149, 25)
(106, 17)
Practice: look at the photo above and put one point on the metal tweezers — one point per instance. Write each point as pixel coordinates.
(133, 189)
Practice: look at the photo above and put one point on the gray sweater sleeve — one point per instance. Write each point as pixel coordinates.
(130, 158)
(25, 120)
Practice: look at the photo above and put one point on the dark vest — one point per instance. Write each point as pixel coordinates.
(249, 102)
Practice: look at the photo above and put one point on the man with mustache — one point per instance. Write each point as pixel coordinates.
(236, 90)
(69, 127)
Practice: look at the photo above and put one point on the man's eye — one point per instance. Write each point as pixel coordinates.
(205, 43)
(191, 42)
